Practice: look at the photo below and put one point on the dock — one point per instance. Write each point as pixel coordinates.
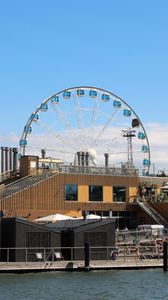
(119, 264)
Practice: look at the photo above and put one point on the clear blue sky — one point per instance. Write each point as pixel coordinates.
(49, 45)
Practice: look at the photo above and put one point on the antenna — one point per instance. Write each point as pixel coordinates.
(129, 135)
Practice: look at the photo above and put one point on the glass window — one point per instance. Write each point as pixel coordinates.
(95, 193)
(119, 194)
(71, 192)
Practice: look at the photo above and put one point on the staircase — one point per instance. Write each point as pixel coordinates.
(24, 183)
(157, 217)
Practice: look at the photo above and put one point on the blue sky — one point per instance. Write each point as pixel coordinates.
(119, 45)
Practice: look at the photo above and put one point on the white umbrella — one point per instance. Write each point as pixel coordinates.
(165, 187)
(53, 218)
(91, 216)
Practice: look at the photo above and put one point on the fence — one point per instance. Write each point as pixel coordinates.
(122, 254)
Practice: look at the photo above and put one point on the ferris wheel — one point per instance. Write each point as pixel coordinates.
(87, 120)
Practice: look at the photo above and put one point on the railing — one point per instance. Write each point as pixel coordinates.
(151, 211)
(161, 212)
(147, 242)
(133, 236)
(24, 183)
(71, 254)
(98, 170)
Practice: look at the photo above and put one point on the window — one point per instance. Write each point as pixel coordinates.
(71, 192)
(119, 194)
(95, 193)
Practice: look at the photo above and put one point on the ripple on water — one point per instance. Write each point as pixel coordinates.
(103, 285)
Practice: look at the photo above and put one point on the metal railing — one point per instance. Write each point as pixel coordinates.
(25, 183)
(151, 211)
(71, 254)
(133, 236)
(98, 170)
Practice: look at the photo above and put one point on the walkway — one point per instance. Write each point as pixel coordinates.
(132, 263)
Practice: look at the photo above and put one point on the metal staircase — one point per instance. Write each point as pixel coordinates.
(24, 183)
(158, 218)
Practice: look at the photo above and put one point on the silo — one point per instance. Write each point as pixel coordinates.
(2, 159)
(15, 159)
(10, 159)
(106, 155)
(6, 159)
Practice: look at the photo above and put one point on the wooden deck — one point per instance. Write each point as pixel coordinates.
(119, 264)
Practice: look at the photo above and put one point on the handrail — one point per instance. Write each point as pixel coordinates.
(98, 170)
(29, 181)
(29, 254)
(151, 211)
(153, 204)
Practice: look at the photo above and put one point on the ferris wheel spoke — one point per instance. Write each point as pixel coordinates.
(94, 117)
(83, 136)
(57, 150)
(110, 120)
(64, 141)
(65, 121)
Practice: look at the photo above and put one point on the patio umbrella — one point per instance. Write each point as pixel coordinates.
(53, 218)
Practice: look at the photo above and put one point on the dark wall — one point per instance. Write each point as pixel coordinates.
(8, 235)
(102, 235)
(108, 228)
(35, 237)
(21, 234)
(23, 230)
(67, 243)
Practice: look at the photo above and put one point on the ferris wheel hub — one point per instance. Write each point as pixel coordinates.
(92, 153)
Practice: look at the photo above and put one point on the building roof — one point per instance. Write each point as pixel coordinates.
(31, 224)
(80, 224)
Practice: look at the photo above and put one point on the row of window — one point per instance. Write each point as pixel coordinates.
(95, 193)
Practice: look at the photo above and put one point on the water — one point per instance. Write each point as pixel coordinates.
(99, 285)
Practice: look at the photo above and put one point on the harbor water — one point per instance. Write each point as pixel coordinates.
(104, 285)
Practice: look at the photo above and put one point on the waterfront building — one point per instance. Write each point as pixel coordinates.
(75, 190)
(22, 240)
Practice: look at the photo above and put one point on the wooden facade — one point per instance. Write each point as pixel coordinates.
(48, 196)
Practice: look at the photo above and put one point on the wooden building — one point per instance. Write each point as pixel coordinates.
(71, 190)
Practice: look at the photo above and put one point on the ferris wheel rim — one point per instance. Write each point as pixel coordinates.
(87, 87)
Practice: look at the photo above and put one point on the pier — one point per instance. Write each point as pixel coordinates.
(119, 264)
